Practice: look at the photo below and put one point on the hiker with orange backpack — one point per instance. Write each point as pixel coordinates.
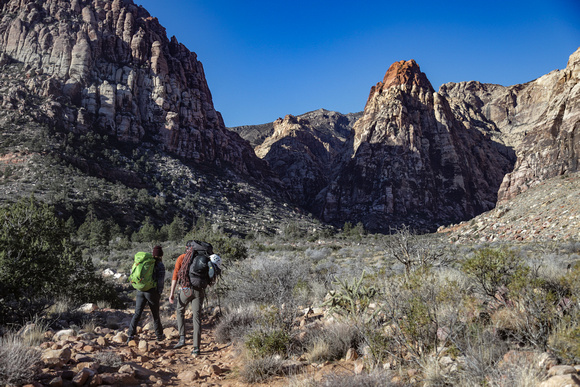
(148, 278)
(192, 273)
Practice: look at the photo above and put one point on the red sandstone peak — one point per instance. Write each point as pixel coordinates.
(405, 73)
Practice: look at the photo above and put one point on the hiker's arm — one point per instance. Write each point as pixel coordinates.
(172, 291)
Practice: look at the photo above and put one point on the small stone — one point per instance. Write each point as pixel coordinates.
(359, 367)
(171, 333)
(568, 380)
(89, 365)
(96, 380)
(188, 376)
(88, 308)
(120, 338)
(63, 334)
(102, 341)
(215, 370)
(82, 377)
(56, 382)
(63, 354)
(351, 355)
(143, 346)
(561, 370)
(125, 379)
(126, 369)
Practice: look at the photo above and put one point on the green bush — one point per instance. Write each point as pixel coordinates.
(492, 269)
(351, 299)
(267, 343)
(39, 262)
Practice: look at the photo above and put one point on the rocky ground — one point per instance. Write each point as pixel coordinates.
(547, 211)
(102, 356)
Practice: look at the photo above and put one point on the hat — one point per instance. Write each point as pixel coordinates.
(157, 251)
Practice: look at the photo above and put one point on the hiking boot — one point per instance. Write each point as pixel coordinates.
(160, 337)
(195, 351)
(180, 343)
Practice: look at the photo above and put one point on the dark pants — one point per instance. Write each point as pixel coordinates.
(196, 300)
(151, 298)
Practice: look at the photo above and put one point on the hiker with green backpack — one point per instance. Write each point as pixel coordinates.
(148, 278)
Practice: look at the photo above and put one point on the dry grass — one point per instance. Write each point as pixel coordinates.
(33, 333)
(259, 370)
(18, 361)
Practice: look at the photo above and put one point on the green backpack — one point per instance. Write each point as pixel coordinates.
(142, 272)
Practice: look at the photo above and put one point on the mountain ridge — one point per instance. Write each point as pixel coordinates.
(98, 86)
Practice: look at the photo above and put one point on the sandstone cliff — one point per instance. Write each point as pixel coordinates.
(413, 161)
(540, 120)
(108, 66)
(425, 158)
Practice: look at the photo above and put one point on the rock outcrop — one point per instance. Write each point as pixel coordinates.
(108, 66)
(414, 156)
(540, 120)
(425, 158)
(303, 155)
(413, 161)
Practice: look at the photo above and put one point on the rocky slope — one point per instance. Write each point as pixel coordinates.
(108, 66)
(546, 212)
(304, 151)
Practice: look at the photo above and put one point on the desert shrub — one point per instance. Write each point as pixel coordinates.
(267, 342)
(564, 340)
(481, 349)
(33, 332)
(422, 312)
(235, 324)
(376, 378)
(266, 281)
(493, 268)
(536, 303)
(261, 369)
(18, 362)
(523, 371)
(317, 255)
(414, 251)
(39, 262)
(331, 342)
(351, 299)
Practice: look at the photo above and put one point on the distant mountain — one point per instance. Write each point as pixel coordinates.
(100, 110)
(426, 158)
(304, 150)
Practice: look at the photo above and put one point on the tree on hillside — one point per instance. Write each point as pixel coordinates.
(39, 263)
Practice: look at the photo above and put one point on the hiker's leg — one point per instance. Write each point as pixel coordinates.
(154, 300)
(196, 305)
(182, 302)
(139, 306)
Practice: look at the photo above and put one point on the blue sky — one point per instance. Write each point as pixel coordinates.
(266, 59)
